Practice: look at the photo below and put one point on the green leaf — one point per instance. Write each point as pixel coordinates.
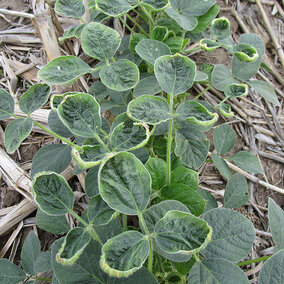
(247, 161)
(175, 73)
(97, 16)
(129, 136)
(156, 4)
(74, 244)
(236, 191)
(16, 132)
(30, 252)
(56, 125)
(53, 224)
(134, 40)
(63, 70)
(175, 44)
(125, 184)
(149, 109)
(54, 157)
(184, 194)
(150, 50)
(70, 8)
(98, 211)
(192, 146)
(272, 270)
(265, 90)
(120, 76)
(201, 76)
(220, 28)
(185, 176)
(224, 138)
(245, 52)
(52, 193)
(6, 104)
(180, 232)
(195, 113)
(233, 235)
(115, 7)
(43, 262)
(192, 7)
(216, 271)
(73, 31)
(276, 223)
(236, 90)
(221, 77)
(91, 182)
(221, 166)
(225, 110)
(209, 45)
(124, 254)
(158, 171)
(159, 33)
(100, 41)
(147, 86)
(10, 273)
(208, 197)
(81, 114)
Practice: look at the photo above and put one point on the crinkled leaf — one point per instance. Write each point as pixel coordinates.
(70, 8)
(30, 252)
(156, 4)
(147, 86)
(63, 70)
(149, 109)
(120, 76)
(247, 161)
(224, 138)
(175, 44)
(220, 28)
(159, 33)
(225, 110)
(150, 50)
(100, 41)
(276, 223)
(56, 125)
(125, 184)
(236, 90)
(236, 191)
(221, 166)
(52, 193)
(182, 175)
(233, 235)
(6, 104)
(73, 31)
(245, 52)
(10, 273)
(124, 254)
(158, 171)
(175, 73)
(180, 232)
(91, 182)
(81, 114)
(184, 194)
(116, 7)
(216, 271)
(54, 157)
(16, 132)
(208, 45)
(43, 262)
(221, 77)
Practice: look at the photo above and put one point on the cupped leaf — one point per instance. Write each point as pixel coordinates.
(224, 138)
(115, 7)
(125, 184)
(124, 254)
(272, 270)
(10, 273)
(100, 41)
(63, 70)
(221, 166)
(220, 28)
(74, 244)
(55, 157)
(192, 146)
(236, 191)
(209, 45)
(245, 52)
(185, 176)
(216, 271)
(150, 50)
(194, 112)
(134, 40)
(6, 104)
(175, 73)
(233, 235)
(30, 252)
(121, 75)
(225, 110)
(186, 195)
(180, 232)
(247, 161)
(149, 109)
(52, 193)
(56, 125)
(16, 132)
(158, 170)
(73, 31)
(265, 90)
(147, 86)
(159, 33)
(236, 90)
(81, 114)
(70, 8)
(276, 223)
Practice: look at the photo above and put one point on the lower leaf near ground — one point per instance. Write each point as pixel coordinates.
(10, 273)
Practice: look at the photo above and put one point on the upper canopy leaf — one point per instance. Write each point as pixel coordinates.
(70, 8)
(115, 8)
(192, 7)
(6, 104)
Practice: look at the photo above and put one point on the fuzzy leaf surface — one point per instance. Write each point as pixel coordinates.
(6, 104)
(147, 86)
(116, 7)
(158, 170)
(221, 77)
(182, 175)
(56, 125)
(10, 273)
(221, 166)
(70, 8)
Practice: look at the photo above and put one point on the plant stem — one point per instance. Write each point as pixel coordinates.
(191, 50)
(169, 147)
(126, 25)
(135, 23)
(150, 257)
(144, 226)
(222, 101)
(102, 143)
(200, 94)
(57, 136)
(103, 132)
(149, 17)
(43, 279)
(253, 260)
(124, 222)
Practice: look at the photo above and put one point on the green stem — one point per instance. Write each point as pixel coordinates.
(247, 262)
(169, 146)
(222, 101)
(103, 132)
(57, 136)
(148, 15)
(150, 257)
(97, 69)
(200, 94)
(102, 142)
(191, 50)
(42, 279)
(126, 25)
(112, 58)
(124, 222)
(135, 23)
